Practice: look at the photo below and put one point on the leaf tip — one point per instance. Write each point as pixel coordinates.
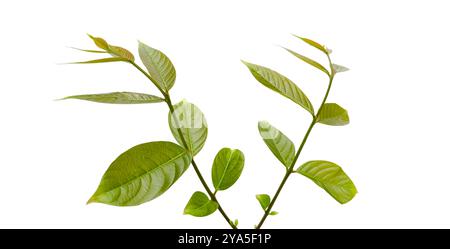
(91, 200)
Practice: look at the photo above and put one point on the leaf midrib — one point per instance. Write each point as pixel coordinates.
(225, 170)
(163, 81)
(146, 173)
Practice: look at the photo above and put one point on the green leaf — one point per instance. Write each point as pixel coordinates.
(227, 168)
(273, 213)
(333, 114)
(236, 222)
(159, 66)
(309, 61)
(314, 44)
(90, 51)
(280, 84)
(331, 178)
(278, 143)
(141, 174)
(264, 200)
(339, 69)
(192, 123)
(104, 60)
(200, 205)
(121, 52)
(99, 42)
(119, 98)
(113, 50)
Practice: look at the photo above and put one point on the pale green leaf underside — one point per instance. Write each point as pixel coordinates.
(314, 44)
(280, 145)
(280, 84)
(190, 120)
(141, 174)
(309, 61)
(331, 178)
(333, 114)
(200, 205)
(227, 168)
(159, 66)
(119, 98)
(264, 200)
(339, 68)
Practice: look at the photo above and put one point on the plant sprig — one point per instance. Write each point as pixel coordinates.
(326, 175)
(146, 171)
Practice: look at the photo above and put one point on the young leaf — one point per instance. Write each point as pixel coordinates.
(236, 222)
(278, 143)
(121, 52)
(339, 69)
(227, 168)
(190, 120)
(333, 114)
(309, 61)
(159, 66)
(314, 44)
(280, 84)
(331, 178)
(119, 98)
(141, 174)
(200, 205)
(104, 60)
(90, 51)
(99, 42)
(273, 213)
(264, 200)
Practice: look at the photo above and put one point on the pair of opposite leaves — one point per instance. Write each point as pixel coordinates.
(148, 170)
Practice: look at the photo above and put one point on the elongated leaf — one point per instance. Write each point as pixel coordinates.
(278, 143)
(331, 178)
(339, 69)
(104, 60)
(309, 61)
(200, 205)
(273, 213)
(192, 123)
(264, 200)
(90, 51)
(99, 42)
(333, 114)
(280, 84)
(141, 174)
(159, 66)
(314, 44)
(119, 98)
(227, 168)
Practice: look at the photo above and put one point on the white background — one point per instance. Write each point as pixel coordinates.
(53, 154)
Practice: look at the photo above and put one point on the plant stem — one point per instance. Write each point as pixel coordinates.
(183, 141)
(299, 151)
